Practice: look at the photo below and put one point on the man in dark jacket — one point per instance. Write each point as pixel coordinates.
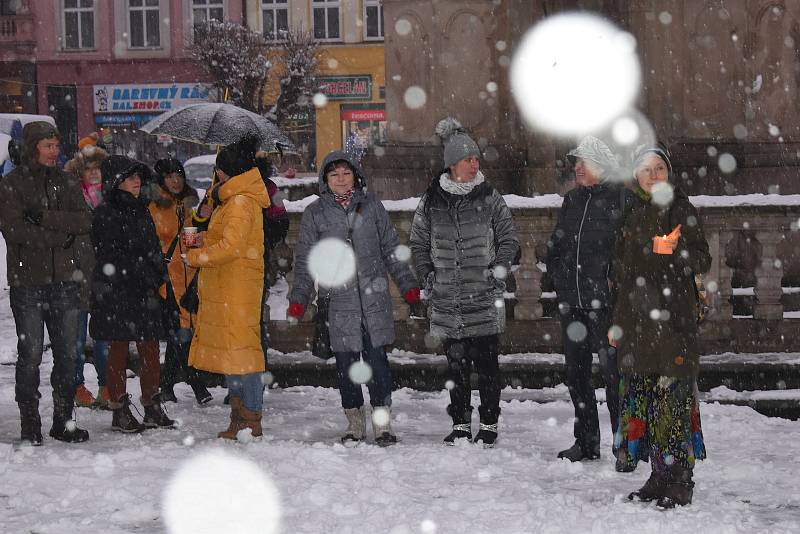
(579, 262)
(41, 213)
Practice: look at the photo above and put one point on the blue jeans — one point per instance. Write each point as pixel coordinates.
(54, 305)
(379, 386)
(100, 353)
(250, 388)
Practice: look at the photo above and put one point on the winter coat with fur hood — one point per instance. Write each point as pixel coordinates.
(655, 306)
(364, 299)
(456, 241)
(227, 335)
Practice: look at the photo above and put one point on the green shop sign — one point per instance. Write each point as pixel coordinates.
(346, 87)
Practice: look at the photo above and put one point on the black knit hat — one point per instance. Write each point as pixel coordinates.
(239, 157)
(166, 166)
(659, 150)
(115, 169)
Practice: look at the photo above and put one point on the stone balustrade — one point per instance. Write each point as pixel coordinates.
(774, 225)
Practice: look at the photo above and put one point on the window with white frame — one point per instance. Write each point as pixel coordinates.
(143, 23)
(326, 20)
(373, 19)
(275, 19)
(206, 10)
(78, 24)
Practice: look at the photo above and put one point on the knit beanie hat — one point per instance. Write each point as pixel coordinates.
(166, 166)
(659, 150)
(32, 133)
(457, 144)
(239, 157)
(593, 149)
(89, 140)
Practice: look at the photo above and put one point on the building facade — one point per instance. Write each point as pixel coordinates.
(17, 49)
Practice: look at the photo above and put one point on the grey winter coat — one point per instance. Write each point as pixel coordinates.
(457, 240)
(364, 299)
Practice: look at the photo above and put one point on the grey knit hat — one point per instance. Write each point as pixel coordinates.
(457, 144)
(593, 149)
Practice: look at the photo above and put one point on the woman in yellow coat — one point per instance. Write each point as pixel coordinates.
(230, 257)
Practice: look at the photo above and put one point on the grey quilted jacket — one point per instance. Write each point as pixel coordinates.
(456, 240)
(365, 298)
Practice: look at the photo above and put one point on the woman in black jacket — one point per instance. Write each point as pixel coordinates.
(661, 250)
(130, 269)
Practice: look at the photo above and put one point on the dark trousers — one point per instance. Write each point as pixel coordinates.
(463, 355)
(582, 332)
(176, 359)
(379, 385)
(54, 305)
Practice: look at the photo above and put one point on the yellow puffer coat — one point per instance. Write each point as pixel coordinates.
(227, 336)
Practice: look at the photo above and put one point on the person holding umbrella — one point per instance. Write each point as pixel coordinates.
(230, 257)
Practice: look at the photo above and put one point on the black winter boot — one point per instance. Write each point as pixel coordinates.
(201, 393)
(578, 453)
(652, 489)
(168, 393)
(30, 423)
(462, 428)
(154, 415)
(487, 435)
(678, 489)
(64, 426)
(123, 420)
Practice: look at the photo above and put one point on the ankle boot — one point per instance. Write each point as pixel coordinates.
(462, 427)
(201, 393)
(236, 419)
(251, 420)
(154, 414)
(168, 393)
(678, 489)
(382, 426)
(64, 426)
(652, 489)
(30, 423)
(123, 420)
(487, 435)
(356, 425)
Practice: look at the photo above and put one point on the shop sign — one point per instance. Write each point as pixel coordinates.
(148, 98)
(363, 114)
(346, 87)
(124, 119)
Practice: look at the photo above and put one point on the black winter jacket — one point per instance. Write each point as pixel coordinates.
(458, 239)
(582, 244)
(130, 269)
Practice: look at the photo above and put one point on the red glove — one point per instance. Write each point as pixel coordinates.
(296, 310)
(412, 295)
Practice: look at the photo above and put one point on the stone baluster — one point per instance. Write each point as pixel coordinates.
(528, 276)
(718, 280)
(768, 277)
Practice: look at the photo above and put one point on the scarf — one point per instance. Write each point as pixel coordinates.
(92, 194)
(641, 193)
(344, 199)
(459, 188)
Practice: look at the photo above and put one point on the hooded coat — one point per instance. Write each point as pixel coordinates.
(364, 299)
(656, 300)
(43, 253)
(227, 336)
(130, 266)
(171, 213)
(458, 239)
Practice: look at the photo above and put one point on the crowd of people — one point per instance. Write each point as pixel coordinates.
(109, 243)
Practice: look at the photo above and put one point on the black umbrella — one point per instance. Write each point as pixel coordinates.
(216, 124)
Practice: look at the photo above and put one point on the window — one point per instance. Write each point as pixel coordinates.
(206, 10)
(326, 19)
(144, 19)
(275, 17)
(78, 24)
(8, 8)
(373, 18)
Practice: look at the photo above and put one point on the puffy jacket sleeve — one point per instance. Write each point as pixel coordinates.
(13, 225)
(505, 234)
(400, 271)
(692, 250)
(420, 241)
(303, 287)
(233, 245)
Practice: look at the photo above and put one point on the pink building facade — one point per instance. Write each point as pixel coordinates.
(118, 63)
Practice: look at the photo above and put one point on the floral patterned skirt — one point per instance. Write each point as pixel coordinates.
(659, 422)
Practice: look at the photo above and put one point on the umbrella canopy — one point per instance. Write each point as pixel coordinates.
(216, 124)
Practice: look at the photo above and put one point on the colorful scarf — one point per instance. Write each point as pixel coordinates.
(92, 194)
(344, 199)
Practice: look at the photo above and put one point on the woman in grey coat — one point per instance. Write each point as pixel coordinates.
(360, 309)
(463, 241)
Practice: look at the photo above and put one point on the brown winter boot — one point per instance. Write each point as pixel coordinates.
(251, 420)
(236, 419)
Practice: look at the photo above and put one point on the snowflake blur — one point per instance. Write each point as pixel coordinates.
(332, 262)
(574, 73)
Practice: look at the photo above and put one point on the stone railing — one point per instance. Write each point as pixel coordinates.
(773, 223)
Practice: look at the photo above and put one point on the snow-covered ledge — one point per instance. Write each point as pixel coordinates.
(771, 218)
